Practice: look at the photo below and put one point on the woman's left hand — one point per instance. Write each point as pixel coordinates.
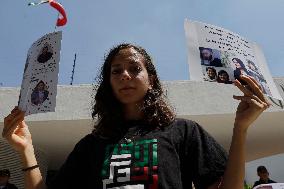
(252, 104)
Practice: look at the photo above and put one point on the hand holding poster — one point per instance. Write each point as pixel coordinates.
(219, 55)
(40, 78)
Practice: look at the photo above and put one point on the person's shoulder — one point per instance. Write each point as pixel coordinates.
(93, 138)
(181, 130)
(184, 124)
(217, 62)
(217, 59)
(87, 140)
(85, 144)
(194, 130)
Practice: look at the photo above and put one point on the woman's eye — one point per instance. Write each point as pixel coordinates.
(135, 69)
(116, 71)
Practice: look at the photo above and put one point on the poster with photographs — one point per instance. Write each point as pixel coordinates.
(270, 186)
(40, 78)
(219, 55)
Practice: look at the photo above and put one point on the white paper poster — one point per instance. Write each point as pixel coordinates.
(270, 186)
(219, 55)
(40, 78)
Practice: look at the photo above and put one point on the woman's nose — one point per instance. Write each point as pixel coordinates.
(125, 75)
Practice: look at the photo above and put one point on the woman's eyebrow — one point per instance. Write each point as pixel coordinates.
(131, 62)
(115, 65)
(134, 61)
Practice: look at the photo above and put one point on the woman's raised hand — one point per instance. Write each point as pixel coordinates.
(16, 131)
(252, 104)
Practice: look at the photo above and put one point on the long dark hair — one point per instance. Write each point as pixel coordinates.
(241, 63)
(108, 110)
(222, 72)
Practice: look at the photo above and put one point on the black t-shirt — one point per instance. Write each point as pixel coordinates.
(216, 62)
(173, 157)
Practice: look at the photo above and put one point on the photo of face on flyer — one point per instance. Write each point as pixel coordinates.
(45, 54)
(214, 67)
(39, 94)
(210, 57)
(254, 71)
(224, 67)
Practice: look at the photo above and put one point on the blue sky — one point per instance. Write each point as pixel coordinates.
(95, 26)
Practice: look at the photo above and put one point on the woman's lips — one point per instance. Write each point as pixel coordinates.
(126, 89)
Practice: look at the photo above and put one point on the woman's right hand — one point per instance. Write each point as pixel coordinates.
(16, 131)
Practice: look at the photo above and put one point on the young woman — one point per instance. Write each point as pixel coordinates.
(240, 68)
(137, 141)
(223, 77)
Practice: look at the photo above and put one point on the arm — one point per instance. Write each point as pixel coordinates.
(235, 169)
(16, 132)
(252, 104)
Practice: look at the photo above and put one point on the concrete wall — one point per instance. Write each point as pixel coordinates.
(210, 104)
(187, 97)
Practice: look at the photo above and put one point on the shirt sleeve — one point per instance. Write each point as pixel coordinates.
(71, 172)
(207, 157)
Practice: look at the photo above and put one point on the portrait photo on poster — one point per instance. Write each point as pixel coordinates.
(39, 94)
(210, 57)
(45, 54)
(224, 67)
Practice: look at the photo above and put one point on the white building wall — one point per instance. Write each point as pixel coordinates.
(210, 104)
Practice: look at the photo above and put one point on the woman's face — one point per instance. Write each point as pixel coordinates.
(264, 175)
(252, 67)
(223, 77)
(206, 54)
(211, 73)
(129, 78)
(236, 63)
(40, 87)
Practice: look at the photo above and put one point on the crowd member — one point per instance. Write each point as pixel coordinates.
(4, 180)
(263, 176)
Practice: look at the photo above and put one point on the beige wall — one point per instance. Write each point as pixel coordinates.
(210, 104)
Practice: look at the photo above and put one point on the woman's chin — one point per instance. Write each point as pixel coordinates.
(130, 101)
